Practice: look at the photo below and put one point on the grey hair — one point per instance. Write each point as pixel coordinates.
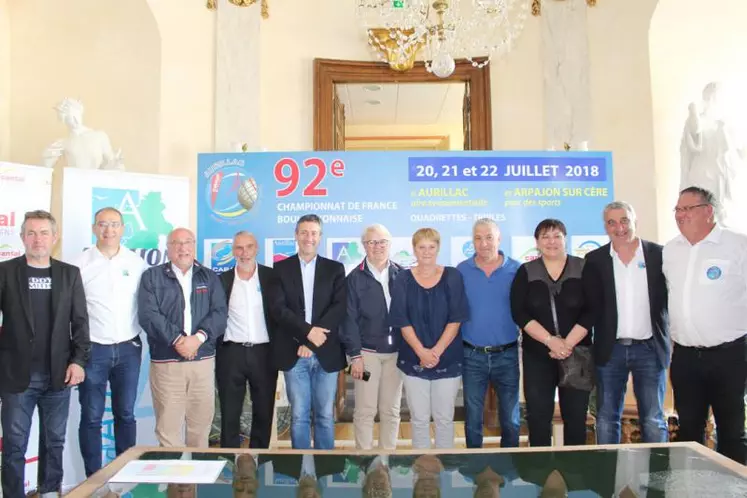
(243, 232)
(376, 227)
(486, 222)
(39, 214)
(626, 206)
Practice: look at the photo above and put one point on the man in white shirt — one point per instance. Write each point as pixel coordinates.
(111, 275)
(244, 353)
(631, 327)
(182, 309)
(706, 269)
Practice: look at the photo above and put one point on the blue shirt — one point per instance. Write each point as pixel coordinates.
(428, 311)
(490, 322)
(308, 272)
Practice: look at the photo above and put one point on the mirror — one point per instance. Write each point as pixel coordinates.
(401, 116)
(338, 84)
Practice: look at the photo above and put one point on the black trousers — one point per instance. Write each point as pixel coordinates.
(704, 378)
(541, 377)
(235, 365)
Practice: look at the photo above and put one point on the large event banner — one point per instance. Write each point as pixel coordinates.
(267, 192)
(22, 188)
(152, 206)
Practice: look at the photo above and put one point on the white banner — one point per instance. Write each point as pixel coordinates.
(22, 188)
(152, 206)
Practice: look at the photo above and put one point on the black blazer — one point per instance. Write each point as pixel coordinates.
(266, 282)
(600, 271)
(69, 341)
(328, 311)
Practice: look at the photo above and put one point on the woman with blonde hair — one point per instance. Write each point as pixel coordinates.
(428, 305)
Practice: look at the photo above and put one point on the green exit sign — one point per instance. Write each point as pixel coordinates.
(398, 4)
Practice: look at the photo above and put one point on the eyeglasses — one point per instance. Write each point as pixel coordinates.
(375, 243)
(687, 209)
(106, 224)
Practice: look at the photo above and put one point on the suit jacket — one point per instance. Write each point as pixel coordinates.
(266, 282)
(328, 311)
(69, 340)
(599, 268)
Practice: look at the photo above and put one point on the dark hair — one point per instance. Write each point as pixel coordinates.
(39, 214)
(549, 224)
(109, 210)
(309, 218)
(706, 195)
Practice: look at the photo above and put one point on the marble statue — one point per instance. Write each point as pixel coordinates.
(712, 156)
(84, 148)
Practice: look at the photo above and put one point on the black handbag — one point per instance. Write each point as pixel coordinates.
(576, 371)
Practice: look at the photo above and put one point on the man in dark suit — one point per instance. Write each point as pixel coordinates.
(244, 353)
(309, 307)
(631, 330)
(44, 347)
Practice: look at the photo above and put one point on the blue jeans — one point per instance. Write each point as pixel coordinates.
(118, 365)
(649, 385)
(17, 410)
(501, 370)
(310, 386)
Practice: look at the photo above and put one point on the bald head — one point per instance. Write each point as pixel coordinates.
(181, 248)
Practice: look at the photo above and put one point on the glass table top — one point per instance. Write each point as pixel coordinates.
(631, 471)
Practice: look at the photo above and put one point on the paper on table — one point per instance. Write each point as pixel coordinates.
(170, 471)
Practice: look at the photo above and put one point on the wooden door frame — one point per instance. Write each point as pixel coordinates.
(329, 72)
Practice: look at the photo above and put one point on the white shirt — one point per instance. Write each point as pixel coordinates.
(308, 273)
(631, 291)
(246, 314)
(707, 288)
(383, 278)
(111, 294)
(185, 280)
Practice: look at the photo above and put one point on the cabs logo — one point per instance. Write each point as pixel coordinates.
(584, 244)
(224, 192)
(524, 248)
(7, 252)
(146, 227)
(401, 252)
(461, 248)
(278, 250)
(219, 253)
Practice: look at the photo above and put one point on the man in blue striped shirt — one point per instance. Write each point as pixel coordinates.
(491, 351)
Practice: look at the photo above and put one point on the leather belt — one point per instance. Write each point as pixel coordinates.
(629, 342)
(491, 349)
(246, 344)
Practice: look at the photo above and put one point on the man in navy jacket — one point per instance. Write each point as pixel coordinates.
(182, 308)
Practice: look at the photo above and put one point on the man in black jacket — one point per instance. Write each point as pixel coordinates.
(309, 307)
(44, 347)
(182, 309)
(631, 329)
(244, 352)
(373, 343)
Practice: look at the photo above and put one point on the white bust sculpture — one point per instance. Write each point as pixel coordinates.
(712, 156)
(84, 148)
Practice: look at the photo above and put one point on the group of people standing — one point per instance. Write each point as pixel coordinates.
(428, 330)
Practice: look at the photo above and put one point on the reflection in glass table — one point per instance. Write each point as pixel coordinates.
(666, 470)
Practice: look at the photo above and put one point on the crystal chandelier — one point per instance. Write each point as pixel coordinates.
(442, 30)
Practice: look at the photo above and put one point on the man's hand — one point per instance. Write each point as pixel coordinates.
(187, 346)
(74, 375)
(317, 336)
(304, 352)
(357, 366)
